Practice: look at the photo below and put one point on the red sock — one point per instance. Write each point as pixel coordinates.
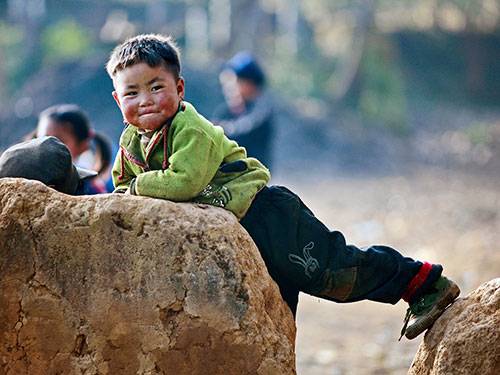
(417, 281)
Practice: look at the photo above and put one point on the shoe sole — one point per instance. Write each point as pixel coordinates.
(451, 295)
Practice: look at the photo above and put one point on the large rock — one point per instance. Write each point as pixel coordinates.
(115, 284)
(465, 339)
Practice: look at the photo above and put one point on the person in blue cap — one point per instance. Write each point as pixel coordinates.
(247, 114)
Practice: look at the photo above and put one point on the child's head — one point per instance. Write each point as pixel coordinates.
(243, 76)
(152, 49)
(71, 125)
(146, 76)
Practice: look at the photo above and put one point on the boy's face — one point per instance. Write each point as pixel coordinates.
(147, 96)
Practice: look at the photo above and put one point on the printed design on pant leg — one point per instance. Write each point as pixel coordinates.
(339, 284)
(309, 263)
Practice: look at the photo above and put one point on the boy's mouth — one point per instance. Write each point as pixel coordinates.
(147, 114)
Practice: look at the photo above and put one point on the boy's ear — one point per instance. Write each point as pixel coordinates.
(180, 88)
(115, 95)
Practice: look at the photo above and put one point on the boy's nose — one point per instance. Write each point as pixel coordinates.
(145, 99)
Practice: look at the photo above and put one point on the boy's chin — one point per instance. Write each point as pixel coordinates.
(149, 127)
(152, 124)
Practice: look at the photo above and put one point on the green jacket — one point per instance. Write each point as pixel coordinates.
(194, 162)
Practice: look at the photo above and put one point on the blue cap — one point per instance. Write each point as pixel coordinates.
(245, 66)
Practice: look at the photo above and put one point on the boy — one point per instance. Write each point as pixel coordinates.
(169, 151)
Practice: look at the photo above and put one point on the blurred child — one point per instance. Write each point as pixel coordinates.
(169, 151)
(89, 149)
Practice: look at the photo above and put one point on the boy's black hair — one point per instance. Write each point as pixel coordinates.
(153, 49)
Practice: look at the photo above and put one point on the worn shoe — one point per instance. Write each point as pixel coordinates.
(424, 312)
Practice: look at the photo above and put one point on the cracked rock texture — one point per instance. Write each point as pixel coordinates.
(115, 284)
(465, 340)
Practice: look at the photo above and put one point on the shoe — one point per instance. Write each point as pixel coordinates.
(424, 312)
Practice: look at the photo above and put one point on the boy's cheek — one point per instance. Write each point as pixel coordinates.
(128, 110)
(128, 116)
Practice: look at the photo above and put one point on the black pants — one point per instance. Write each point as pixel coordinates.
(303, 255)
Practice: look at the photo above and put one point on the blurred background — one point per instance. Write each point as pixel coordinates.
(372, 82)
(387, 116)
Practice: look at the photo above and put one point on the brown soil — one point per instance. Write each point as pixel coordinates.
(440, 216)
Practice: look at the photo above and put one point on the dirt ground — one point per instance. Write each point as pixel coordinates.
(442, 216)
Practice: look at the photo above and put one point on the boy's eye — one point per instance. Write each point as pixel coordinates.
(156, 88)
(130, 93)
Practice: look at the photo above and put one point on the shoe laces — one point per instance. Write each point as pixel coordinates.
(406, 320)
(415, 308)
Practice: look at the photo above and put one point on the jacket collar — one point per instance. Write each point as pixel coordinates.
(131, 141)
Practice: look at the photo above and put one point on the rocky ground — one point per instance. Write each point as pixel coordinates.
(447, 216)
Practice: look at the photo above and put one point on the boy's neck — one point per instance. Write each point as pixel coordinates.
(146, 136)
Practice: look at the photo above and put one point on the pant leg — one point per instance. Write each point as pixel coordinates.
(302, 254)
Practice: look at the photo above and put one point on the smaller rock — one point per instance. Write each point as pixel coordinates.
(465, 339)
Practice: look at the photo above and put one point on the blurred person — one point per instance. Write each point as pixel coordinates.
(169, 151)
(247, 114)
(89, 149)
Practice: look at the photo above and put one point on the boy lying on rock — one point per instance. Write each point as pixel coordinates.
(169, 151)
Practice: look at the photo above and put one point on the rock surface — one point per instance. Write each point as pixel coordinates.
(465, 339)
(115, 284)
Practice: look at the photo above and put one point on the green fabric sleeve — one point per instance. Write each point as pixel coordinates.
(192, 165)
(124, 182)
